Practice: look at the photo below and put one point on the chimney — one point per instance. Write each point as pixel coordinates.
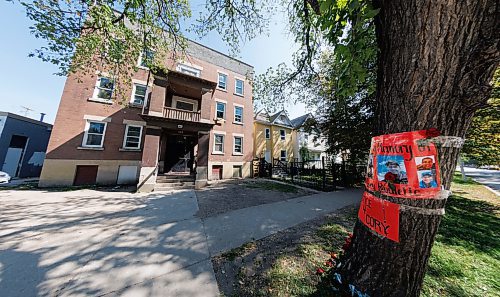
(42, 115)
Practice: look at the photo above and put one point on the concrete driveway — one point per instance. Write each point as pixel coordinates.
(90, 243)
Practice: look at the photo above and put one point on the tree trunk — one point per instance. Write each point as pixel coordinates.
(436, 61)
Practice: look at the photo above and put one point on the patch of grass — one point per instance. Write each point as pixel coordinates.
(291, 276)
(24, 186)
(293, 273)
(465, 258)
(457, 179)
(272, 186)
(239, 251)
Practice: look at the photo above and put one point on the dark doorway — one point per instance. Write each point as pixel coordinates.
(85, 175)
(15, 155)
(179, 154)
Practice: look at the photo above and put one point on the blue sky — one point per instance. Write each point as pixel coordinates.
(30, 82)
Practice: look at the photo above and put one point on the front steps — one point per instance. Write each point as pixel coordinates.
(168, 182)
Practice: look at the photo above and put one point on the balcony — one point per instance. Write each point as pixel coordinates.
(181, 115)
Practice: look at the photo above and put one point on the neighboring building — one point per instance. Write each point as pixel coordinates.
(196, 122)
(312, 143)
(274, 136)
(23, 143)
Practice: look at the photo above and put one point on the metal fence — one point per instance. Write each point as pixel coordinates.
(323, 175)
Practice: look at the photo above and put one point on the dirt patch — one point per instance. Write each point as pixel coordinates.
(236, 194)
(254, 268)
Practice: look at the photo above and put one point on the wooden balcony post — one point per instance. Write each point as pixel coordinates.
(157, 100)
(206, 106)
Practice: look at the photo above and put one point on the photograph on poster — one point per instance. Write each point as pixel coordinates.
(369, 168)
(426, 179)
(425, 163)
(391, 169)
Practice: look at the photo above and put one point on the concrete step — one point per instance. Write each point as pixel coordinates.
(161, 188)
(174, 180)
(176, 184)
(176, 176)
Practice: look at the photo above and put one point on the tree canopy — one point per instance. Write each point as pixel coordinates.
(482, 143)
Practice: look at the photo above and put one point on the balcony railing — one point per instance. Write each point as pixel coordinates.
(182, 115)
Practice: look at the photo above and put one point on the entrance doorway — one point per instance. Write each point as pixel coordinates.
(179, 154)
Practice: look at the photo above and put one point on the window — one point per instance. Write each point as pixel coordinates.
(221, 110)
(238, 145)
(104, 88)
(238, 114)
(237, 171)
(283, 134)
(188, 70)
(132, 139)
(238, 89)
(184, 105)
(139, 94)
(268, 133)
(283, 155)
(94, 134)
(218, 143)
(222, 81)
(146, 58)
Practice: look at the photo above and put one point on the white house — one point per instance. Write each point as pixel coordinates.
(315, 144)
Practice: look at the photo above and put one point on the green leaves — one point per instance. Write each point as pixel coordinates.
(482, 143)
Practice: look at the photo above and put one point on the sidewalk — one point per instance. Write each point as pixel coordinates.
(232, 229)
(98, 243)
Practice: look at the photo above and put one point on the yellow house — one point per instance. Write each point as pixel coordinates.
(274, 136)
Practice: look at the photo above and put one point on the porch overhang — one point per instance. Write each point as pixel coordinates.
(178, 78)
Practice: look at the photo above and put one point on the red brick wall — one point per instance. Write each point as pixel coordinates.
(67, 134)
(69, 125)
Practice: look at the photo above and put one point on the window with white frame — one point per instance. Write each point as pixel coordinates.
(222, 81)
(104, 88)
(283, 155)
(220, 112)
(132, 138)
(184, 103)
(94, 134)
(283, 134)
(238, 114)
(139, 94)
(268, 133)
(189, 70)
(238, 88)
(238, 145)
(218, 143)
(146, 58)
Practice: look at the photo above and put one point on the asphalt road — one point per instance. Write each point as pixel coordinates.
(490, 178)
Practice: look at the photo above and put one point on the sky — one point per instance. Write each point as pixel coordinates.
(29, 82)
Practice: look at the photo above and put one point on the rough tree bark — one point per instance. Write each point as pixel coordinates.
(436, 61)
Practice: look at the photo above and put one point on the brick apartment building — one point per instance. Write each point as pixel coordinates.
(196, 125)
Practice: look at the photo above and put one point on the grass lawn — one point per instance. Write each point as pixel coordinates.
(465, 258)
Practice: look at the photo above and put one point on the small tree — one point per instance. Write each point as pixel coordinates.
(304, 152)
(482, 143)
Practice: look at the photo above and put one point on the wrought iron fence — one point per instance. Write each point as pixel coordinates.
(324, 174)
